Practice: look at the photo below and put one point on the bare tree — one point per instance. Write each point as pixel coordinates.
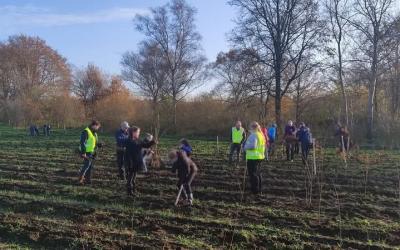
(146, 70)
(90, 85)
(338, 14)
(370, 18)
(282, 32)
(172, 28)
(234, 71)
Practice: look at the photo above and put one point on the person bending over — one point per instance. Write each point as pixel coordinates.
(187, 170)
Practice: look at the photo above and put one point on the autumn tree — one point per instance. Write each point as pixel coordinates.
(89, 85)
(30, 72)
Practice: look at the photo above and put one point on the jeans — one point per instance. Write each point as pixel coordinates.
(289, 151)
(120, 163)
(186, 182)
(305, 150)
(235, 147)
(253, 169)
(86, 170)
(131, 180)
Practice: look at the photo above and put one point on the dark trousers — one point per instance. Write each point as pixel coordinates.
(120, 163)
(253, 170)
(235, 147)
(305, 150)
(86, 170)
(131, 179)
(186, 181)
(289, 151)
(296, 148)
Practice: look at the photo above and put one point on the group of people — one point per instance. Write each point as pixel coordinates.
(34, 131)
(256, 144)
(259, 145)
(131, 153)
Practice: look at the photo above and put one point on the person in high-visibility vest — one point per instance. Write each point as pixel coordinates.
(255, 154)
(238, 136)
(88, 144)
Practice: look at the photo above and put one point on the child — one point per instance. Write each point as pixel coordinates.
(185, 146)
(134, 156)
(187, 170)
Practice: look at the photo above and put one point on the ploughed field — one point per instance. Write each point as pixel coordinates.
(41, 206)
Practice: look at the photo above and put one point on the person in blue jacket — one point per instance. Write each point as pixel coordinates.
(121, 137)
(305, 139)
(272, 138)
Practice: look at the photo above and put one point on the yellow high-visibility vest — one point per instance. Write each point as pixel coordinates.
(257, 153)
(91, 141)
(237, 135)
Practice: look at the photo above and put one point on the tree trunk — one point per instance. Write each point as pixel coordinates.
(341, 83)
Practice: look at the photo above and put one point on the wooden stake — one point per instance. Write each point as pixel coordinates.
(344, 152)
(217, 144)
(314, 158)
(179, 195)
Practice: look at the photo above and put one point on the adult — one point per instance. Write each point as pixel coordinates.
(121, 138)
(134, 157)
(264, 131)
(305, 139)
(271, 138)
(238, 136)
(255, 153)
(290, 140)
(343, 135)
(88, 145)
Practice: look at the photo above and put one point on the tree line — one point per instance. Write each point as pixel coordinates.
(323, 62)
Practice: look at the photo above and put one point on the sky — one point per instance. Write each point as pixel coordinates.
(100, 31)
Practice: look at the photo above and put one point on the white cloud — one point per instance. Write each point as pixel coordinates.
(29, 15)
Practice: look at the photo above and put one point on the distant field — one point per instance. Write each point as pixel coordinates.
(42, 207)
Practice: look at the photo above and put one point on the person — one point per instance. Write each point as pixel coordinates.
(255, 153)
(272, 138)
(48, 128)
(185, 146)
(264, 131)
(305, 139)
(32, 130)
(186, 169)
(36, 130)
(343, 135)
(238, 136)
(121, 137)
(297, 142)
(290, 140)
(88, 145)
(134, 157)
(44, 129)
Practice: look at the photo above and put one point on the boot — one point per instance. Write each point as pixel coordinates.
(82, 180)
(190, 200)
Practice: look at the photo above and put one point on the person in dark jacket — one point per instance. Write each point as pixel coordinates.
(121, 138)
(305, 139)
(134, 157)
(187, 170)
(290, 140)
(88, 145)
(343, 135)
